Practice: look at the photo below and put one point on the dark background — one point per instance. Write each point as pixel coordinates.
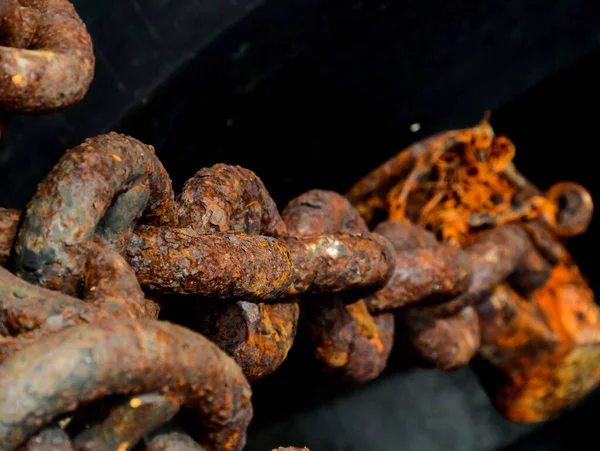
(313, 94)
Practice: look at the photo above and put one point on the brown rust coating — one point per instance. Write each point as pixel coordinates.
(331, 246)
(433, 274)
(444, 343)
(110, 282)
(339, 262)
(369, 194)
(257, 336)
(170, 438)
(49, 439)
(9, 220)
(11, 24)
(182, 261)
(424, 270)
(318, 212)
(88, 362)
(69, 204)
(127, 423)
(532, 272)
(226, 198)
(545, 241)
(575, 208)
(352, 343)
(494, 255)
(221, 265)
(56, 67)
(29, 312)
(546, 346)
(230, 199)
(405, 235)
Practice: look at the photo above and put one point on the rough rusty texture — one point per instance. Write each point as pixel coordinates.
(29, 312)
(431, 274)
(494, 256)
(49, 439)
(127, 423)
(110, 282)
(226, 198)
(546, 346)
(426, 269)
(70, 203)
(230, 199)
(545, 241)
(405, 235)
(54, 68)
(224, 265)
(88, 362)
(369, 194)
(532, 272)
(338, 262)
(257, 336)
(575, 208)
(444, 343)
(9, 220)
(538, 321)
(11, 24)
(351, 343)
(170, 438)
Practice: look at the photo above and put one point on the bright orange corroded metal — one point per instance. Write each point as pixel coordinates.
(547, 345)
(462, 183)
(540, 328)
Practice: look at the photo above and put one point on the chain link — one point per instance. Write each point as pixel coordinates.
(468, 265)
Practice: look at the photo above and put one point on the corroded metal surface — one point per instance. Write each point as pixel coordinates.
(128, 422)
(470, 261)
(52, 438)
(46, 56)
(351, 342)
(30, 312)
(75, 199)
(87, 362)
(536, 317)
(170, 438)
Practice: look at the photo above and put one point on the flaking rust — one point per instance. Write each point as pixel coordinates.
(419, 291)
(233, 200)
(30, 312)
(546, 346)
(104, 177)
(87, 362)
(536, 315)
(186, 261)
(351, 343)
(77, 200)
(46, 56)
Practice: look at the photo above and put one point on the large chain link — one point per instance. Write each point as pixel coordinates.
(468, 264)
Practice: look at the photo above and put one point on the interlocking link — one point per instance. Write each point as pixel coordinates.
(446, 244)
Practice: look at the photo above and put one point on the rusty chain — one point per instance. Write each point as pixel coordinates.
(469, 263)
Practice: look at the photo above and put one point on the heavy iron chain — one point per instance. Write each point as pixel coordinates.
(469, 263)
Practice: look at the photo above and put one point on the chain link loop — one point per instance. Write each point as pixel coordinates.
(468, 265)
